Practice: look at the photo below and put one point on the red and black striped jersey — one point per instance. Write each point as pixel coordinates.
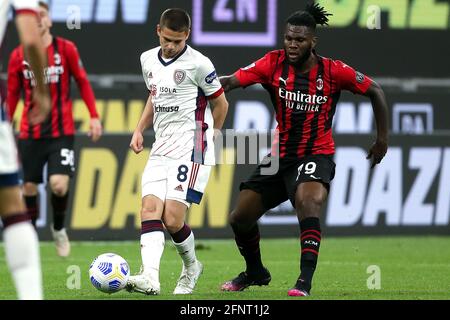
(63, 64)
(304, 103)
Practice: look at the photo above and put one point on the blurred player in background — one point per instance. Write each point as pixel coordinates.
(52, 141)
(304, 88)
(19, 236)
(182, 83)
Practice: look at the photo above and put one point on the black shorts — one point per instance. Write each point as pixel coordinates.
(282, 185)
(56, 152)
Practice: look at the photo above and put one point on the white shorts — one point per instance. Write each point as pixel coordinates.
(9, 163)
(180, 180)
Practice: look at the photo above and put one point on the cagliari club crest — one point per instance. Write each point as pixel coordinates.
(179, 76)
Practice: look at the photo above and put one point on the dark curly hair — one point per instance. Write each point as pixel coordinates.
(313, 15)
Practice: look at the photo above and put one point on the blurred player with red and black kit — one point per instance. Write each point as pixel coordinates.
(52, 141)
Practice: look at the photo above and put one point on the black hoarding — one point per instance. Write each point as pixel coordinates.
(408, 193)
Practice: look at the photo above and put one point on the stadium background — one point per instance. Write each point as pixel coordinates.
(409, 193)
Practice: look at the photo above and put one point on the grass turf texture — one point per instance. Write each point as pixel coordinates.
(411, 268)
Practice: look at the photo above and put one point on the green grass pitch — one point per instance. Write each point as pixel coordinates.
(410, 268)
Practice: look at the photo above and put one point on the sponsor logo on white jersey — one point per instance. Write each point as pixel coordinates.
(166, 108)
(210, 77)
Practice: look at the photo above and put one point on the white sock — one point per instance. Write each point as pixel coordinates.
(186, 250)
(22, 256)
(152, 247)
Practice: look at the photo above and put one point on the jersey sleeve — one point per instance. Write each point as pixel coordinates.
(207, 79)
(257, 72)
(349, 79)
(79, 73)
(145, 72)
(14, 82)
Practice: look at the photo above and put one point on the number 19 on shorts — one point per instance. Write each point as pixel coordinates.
(310, 168)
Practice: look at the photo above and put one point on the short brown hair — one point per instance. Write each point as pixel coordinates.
(175, 19)
(43, 5)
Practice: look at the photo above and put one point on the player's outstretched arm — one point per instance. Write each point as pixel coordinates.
(27, 27)
(380, 109)
(229, 82)
(137, 141)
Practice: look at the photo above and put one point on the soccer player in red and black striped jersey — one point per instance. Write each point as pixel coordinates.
(304, 88)
(51, 141)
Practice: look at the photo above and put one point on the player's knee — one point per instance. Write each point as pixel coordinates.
(59, 184)
(59, 188)
(10, 201)
(30, 189)
(173, 218)
(172, 225)
(239, 220)
(309, 206)
(150, 212)
(233, 218)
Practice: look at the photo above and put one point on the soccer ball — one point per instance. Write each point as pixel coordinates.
(109, 272)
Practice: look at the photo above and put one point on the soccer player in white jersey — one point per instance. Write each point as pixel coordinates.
(183, 89)
(19, 236)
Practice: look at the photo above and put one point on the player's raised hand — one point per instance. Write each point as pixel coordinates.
(377, 152)
(137, 142)
(95, 129)
(41, 109)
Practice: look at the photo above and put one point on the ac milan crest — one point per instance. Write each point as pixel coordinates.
(57, 58)
(179, 76)
(319, 84)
